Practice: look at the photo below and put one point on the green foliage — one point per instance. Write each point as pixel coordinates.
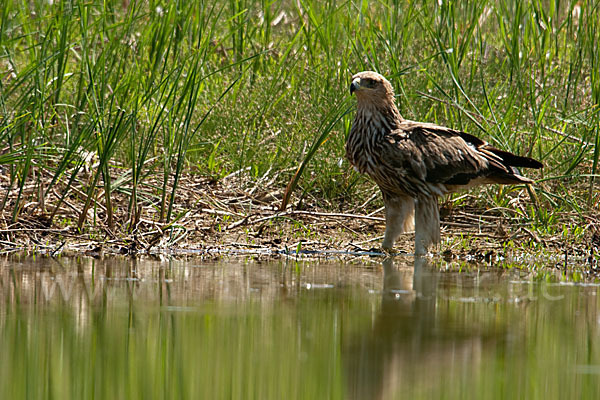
(124, 91)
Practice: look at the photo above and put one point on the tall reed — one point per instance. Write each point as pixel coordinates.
(102, 99)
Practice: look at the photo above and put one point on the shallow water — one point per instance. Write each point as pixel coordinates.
(76, 328)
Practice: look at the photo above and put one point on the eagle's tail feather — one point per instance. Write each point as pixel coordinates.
(513, 160)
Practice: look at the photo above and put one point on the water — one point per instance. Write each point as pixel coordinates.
(80, 328)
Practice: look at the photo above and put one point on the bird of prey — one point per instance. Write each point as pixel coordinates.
(414, 163)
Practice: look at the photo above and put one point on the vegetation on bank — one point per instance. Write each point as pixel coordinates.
(112, 111)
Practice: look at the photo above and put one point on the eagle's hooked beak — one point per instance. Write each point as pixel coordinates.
(355, 85)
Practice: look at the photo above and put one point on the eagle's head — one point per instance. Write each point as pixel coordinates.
(369, 83)
(374, 93)
(371, 87)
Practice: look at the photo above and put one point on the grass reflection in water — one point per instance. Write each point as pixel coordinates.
(119, 328)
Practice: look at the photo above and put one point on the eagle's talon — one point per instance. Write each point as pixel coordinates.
(388, 250)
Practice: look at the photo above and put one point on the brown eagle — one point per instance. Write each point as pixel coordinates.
(414, 163)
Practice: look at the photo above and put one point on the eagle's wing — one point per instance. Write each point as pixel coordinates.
(440, 155)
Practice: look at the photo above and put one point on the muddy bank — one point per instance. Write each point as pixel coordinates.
(237, 216)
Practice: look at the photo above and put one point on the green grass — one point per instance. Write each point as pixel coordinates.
(106, 98)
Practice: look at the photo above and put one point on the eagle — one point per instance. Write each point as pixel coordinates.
(414, 163)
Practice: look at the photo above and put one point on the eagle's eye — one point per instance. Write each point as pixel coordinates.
(368, 82)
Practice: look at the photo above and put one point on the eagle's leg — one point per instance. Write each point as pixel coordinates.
(427, 223)
(399, 211)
